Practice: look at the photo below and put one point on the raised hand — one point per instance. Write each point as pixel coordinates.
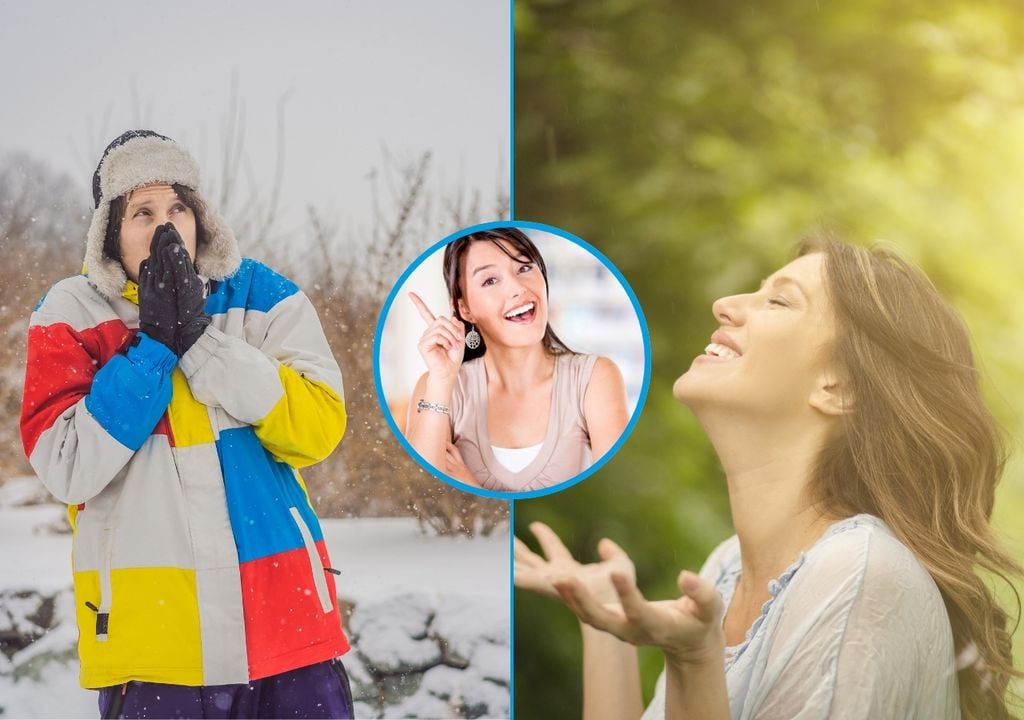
(158, 306)
(543, 575)
(687, 630)
(443, 342)
(188, 289)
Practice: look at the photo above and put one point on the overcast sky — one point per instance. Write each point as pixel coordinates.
(354, 76)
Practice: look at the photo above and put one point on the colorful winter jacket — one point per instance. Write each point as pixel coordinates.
(197, 557)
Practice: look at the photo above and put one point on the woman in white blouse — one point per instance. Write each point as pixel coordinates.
(843, 403)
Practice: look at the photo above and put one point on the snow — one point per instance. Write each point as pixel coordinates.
(381, 557)
(58, 639)
(418, 601)
(463, 624)
(442, 682)
(58, 697)
(392, 634)
(491, 662)
(42, 561)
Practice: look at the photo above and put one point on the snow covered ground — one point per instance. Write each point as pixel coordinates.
(430, 623)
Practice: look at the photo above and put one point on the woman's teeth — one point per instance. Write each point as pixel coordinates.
(721, 351)
(523, 312)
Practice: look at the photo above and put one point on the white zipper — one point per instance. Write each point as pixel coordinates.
(315, 566)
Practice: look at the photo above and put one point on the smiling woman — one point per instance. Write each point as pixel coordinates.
(505, 404)
(782, 332)
(861, 462)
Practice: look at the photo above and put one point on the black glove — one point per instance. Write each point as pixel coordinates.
(158, 307)
(189, 293)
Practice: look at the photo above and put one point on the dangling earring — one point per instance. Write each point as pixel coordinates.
(473, 338)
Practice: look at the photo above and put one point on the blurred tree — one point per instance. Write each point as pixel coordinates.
(43, 219)
(695, 144)
(372, 474)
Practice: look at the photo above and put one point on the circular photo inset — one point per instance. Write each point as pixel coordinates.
(512, 359)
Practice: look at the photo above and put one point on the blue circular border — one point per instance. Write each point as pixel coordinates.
(641, 400)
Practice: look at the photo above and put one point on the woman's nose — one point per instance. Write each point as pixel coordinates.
(728, 310)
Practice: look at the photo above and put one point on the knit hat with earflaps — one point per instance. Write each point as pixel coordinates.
(142, 157)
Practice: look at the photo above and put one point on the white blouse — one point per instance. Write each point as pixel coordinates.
(515, 459)
(855, 629)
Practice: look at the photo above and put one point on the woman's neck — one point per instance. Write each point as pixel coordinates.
(768, 465)
(517, 369)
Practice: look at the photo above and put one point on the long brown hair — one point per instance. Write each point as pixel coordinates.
(525, 251)
(921, 450)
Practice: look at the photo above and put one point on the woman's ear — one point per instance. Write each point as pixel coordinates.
(832, 396)
(464, 312)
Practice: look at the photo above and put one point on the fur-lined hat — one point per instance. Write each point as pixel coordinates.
(142, 157)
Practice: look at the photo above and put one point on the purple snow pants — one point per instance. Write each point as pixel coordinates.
(316, 691)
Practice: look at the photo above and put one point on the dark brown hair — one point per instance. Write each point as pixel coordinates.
(523, 250)
(112, 240)
(920, 450)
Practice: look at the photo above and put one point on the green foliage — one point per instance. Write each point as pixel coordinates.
(695, 144)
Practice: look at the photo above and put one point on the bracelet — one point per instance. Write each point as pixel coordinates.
(433, 407)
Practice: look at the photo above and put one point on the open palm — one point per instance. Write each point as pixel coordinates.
(605, 596)
(540, 574)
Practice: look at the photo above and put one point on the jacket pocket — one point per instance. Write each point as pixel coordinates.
(315, 566)
(106, 595)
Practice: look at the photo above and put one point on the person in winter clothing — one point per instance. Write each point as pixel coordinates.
(171, 392)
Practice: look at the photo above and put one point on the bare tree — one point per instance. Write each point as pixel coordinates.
(42, 221)
(372, 474)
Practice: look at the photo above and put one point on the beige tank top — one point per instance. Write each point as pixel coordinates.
(565, 451)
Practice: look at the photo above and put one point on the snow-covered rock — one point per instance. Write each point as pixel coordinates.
(365, 711)
(443, 682)
(400, 686)
(462, 622)
(58, 643)
(484, 700)
(464, 693)
(24, 613)
(491, 662)
(408, 612)
(364, 685)
(392, 634)
(432, 656)
(422, 705)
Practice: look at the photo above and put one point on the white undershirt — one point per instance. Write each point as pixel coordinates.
(515, 459)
